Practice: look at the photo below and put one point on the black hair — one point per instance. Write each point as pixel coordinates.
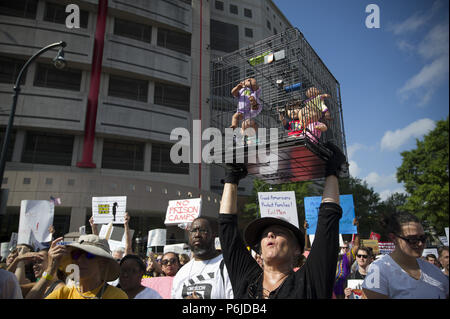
(137, 259)
(392, 222)
(366, 249)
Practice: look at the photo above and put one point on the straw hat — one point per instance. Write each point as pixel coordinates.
(100, 248)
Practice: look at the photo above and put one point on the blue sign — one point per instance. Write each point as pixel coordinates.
(346, 226)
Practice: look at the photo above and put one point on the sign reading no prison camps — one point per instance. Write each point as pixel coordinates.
(183, 211)
(107, 210)
(279, 205)
(346, 226)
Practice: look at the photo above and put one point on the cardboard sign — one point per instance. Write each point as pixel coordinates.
(346, 226)
(157, 237)
(279, 205)
(371, 243)
(183, 211)
(36, 216)
(109, 209)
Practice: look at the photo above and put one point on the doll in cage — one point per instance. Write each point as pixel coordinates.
(297, 116)
(249, 104)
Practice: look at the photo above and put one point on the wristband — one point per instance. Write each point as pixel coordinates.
(47, 276)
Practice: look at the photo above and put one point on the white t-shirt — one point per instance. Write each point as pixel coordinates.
(386, 277)
(205, 278)
(148, 293)
(9, 286)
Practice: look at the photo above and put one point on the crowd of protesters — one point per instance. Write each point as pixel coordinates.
(273, 259)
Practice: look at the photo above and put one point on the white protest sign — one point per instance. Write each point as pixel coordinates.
(109, 209)
(356, 286)
(36, 216)
(279, 205)
(217, 243)
(177, 248)
(111, 232)
(183, 211)
(428, 251)
(157, 237)
(443, 240)
(13, 241)
(446, 234)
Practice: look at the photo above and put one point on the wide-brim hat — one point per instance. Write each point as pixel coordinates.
(253, 231)
(100, 248)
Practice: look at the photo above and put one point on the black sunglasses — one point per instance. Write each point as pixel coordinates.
(171, 260)
(414, 240)
(362, 256)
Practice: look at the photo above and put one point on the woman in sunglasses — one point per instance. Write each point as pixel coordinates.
(403, 274)
(89, 263)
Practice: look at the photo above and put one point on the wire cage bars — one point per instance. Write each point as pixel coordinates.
(299, 96)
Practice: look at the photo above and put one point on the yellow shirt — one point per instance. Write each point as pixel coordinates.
(72, 293)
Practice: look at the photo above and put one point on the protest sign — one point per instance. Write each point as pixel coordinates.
(371, 243)
(386, 247)
(346, 226)
(279, 205)
(13, 241)
(432, 251)
(157, 237)
(443, 240)
(36, 216)
(446, 234)
(183, 211)
(109, 209)
(177, 248)
(356, 286)
(163, 285)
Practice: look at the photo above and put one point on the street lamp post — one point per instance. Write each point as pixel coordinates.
(59, 62)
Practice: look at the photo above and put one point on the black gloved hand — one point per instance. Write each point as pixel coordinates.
(234, 173)
(337, 162)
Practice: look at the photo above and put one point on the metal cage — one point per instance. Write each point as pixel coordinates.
(286, 68)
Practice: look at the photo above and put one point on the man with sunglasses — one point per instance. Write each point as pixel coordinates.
(403, 274)
(363, 259)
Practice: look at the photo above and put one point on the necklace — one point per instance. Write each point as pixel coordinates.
(267, 292)
(192, 266)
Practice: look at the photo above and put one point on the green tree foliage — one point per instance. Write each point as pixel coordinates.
(424, 172)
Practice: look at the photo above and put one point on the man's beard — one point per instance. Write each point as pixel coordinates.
(202, 250)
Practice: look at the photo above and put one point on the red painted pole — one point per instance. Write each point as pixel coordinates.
(96, 71)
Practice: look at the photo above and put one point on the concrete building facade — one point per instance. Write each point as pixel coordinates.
(154, 78)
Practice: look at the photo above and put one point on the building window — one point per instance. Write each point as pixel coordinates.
(48, 76)
(173, 40)
(48, 181)
(162, 163)
(12, 139)
(19, 8)
(173, 96)
(128, 88)
(9, 70)
(26, 181)
(248, 13)
(275, 31)
(125, 155)
(224, 36)
(56, 13)
(219, 5)
(269, 26)
(249, 33)
(46, 148)
(71, 182)
(233, 9)
(133, 30)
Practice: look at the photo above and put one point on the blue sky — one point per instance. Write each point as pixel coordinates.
(394, 79)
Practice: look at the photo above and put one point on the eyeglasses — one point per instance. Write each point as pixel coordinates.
(165, 262)
(414, 240)
(201, 231)
(362, 256)
(76, 254)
